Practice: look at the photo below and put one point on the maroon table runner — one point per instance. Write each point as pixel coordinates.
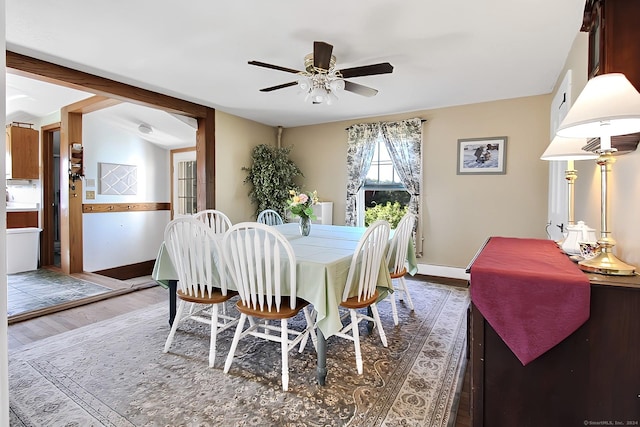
(530, 293)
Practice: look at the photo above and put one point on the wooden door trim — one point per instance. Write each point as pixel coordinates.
(47, 237)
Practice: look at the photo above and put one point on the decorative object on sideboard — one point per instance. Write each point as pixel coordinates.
(589, 250)
(608, 105)
(570, 150)
(576, 234)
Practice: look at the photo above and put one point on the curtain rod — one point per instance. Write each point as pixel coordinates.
(421, 121)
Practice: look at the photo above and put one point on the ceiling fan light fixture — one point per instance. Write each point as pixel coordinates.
(321, 80)
(318, 95)
(336, 85)
(304, 83)
(320, 87)
(331, 98)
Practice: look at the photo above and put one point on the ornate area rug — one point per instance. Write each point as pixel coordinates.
(114, 373)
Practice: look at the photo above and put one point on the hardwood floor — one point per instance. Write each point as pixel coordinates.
(28, 331)
(463, 417)
(48, 290)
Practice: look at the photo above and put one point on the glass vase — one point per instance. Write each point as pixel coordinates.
(305, 225)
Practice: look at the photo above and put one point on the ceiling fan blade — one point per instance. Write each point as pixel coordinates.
(367, 70)
(274, 67)
(359, 89)
(282, 86)
(322, 55)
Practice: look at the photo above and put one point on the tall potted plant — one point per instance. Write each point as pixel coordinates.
(271, 176)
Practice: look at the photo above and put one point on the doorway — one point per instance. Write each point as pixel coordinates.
(184, 183)
(50, 236)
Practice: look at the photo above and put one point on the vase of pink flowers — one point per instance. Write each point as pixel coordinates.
(301, 205)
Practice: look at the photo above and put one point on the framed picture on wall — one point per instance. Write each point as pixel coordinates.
(482, 156)
(116, 179)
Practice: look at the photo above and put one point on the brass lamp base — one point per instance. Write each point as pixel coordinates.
(607, 263)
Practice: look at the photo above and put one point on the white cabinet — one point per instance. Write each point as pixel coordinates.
(323, 212)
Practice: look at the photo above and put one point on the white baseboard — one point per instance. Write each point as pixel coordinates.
(443, 271)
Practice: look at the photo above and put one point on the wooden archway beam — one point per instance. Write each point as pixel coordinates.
(68, 77)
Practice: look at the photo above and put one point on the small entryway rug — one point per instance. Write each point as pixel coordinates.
(113, 373)
(38, 289)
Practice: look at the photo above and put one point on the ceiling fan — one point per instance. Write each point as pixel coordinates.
(321, 80)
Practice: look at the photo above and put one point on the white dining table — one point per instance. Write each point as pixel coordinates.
(322, 263)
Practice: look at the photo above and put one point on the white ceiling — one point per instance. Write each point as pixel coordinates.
(30, 100)
(444, 53)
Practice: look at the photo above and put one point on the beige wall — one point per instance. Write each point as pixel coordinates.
(623, 184)
(235, 138)
(459, 212)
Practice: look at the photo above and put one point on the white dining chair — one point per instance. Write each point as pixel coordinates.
(193, 250)
(363, 278)
(270, 217)
(216, 220)
(262, 264)
(397, 262)
(219, 223)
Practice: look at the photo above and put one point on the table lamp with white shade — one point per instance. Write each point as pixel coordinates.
(570, 150)
(609, 105)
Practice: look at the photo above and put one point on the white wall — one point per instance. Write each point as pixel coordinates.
(122, 238)
(116, 239)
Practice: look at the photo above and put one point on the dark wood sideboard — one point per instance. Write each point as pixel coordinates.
(590, 378)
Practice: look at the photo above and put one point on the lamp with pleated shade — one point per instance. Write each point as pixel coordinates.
(570, 150)
(609, 105)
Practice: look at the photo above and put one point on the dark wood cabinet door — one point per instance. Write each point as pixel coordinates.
(22, 150)
(22, 219)
(614, 47)
(593, 375)
(614, 34)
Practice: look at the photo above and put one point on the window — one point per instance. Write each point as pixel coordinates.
(187, 188)
(381, 185)
(381, 173)
(373, 172)
(184, 183)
